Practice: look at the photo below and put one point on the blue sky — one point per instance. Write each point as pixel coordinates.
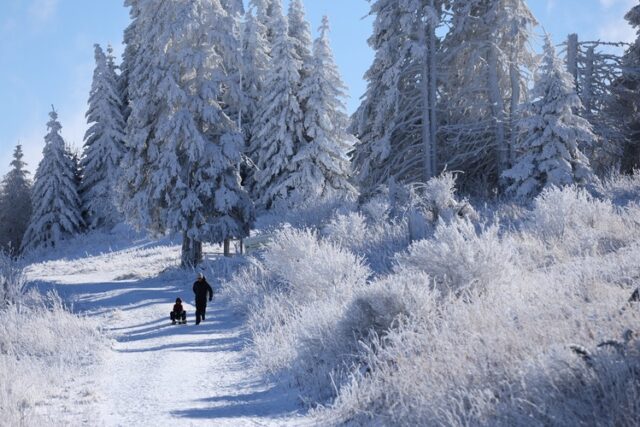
(46, 54)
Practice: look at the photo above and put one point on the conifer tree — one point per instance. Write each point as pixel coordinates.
(104, 144)
(396, 123)
(15, 204)
(279, 127)
(131, 48)
(486, 55)
(626, 99)
(320, 167)
(550, 153)
(56, 206)
(300, 33)
(256, 62)
(181, 169)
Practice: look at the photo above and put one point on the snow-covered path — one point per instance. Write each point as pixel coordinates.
(157, 373)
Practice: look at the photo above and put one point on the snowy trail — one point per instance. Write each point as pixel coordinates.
(158, 373)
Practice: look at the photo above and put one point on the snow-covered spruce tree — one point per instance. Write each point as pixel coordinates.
(486, 57)
(131, 47)
(15, 204)
(278, 129)
(227, 40)
(78, 174)
(549, 155)
(626, 100)
(104, 146)
(320, 167)
(56, 206)
(396, 123)
(255, 65)
(255, 62)
(181, 169)
(300, 33)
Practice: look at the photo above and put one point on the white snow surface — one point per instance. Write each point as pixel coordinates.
(155, 373)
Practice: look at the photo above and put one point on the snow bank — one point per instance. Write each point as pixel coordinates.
(478, 324)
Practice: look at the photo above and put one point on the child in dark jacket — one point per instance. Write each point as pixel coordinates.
(178, 313)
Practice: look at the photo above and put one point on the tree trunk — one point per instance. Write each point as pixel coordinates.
(433, 90)
(427, 143)
(572, 57)
(587, 86)
(514, 74)
(227, 246)
(497, 107)
(191, 252)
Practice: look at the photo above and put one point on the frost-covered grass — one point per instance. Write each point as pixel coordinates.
(42, 346)
(479, 323)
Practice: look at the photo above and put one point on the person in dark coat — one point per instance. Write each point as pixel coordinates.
(178, 313)
(202, 289)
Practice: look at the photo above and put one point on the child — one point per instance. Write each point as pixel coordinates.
(178, 313)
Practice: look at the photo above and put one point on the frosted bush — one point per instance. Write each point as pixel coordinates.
(42, 347)
(599, 386)
(572, 222)
(248, 287)
(376, 239)
(310, 214)
(460, 257)
(321, 344)
(468, 360)
(12, 280)
(622, 189)
(311, 269)
(382, 305)
(348, 230)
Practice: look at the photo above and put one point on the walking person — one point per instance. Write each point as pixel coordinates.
(202, 289)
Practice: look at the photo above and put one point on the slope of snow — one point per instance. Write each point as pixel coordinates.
(157, 373)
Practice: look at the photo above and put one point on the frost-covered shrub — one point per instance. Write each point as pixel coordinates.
(321, 344)
(375, 237)
(587, 387)
(250, 285)
(470, 359)
(12, 280)
(311, 269)
(572, 222)
(42, 346)
(348, 230)
(622, 189)
(460, 257)
(311, 214)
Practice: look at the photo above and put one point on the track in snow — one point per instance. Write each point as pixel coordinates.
(162, 374)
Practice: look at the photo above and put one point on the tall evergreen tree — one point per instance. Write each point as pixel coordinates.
(228, 42)
(56, 204)
(300, 33)
(550, 153)
(255, 64)
(15, 204)
(279, 127)
(486, 57)
(626, 101)
(320, 168)
(181, 172)
(131, 48)
(396, 122)
(104, 144)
